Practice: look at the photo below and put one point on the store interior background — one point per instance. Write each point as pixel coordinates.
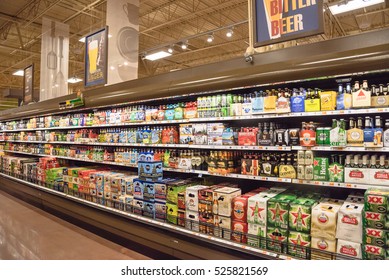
(163, 24)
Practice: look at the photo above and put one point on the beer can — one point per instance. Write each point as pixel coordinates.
(309, 172)
(301, 157)
(319, 136)
(308, 157)
(301, 172)
(326, 136)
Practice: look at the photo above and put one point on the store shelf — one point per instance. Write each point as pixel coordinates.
(221, 119)
(332, 184)
(149, 221)
(342, 149)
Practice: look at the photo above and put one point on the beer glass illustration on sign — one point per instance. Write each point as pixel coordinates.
(273, 11)
(92, 55)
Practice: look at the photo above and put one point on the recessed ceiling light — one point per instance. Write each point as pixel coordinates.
(347, 6)
(157, 55)
(18, 73)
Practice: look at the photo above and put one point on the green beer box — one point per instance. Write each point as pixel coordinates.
(374, 220)
(276, 239)
(376, 237)
(320, 169)
(256, 235)
(278, 210)
(300, 214)
(171, 213)
(299, 244)
(376, 200)
(371, 252)
(174, 188)
(336, 173)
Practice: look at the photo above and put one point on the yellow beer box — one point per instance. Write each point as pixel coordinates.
(269, 104)
(328, 100)
(327, 246)
(324, 220)
(312, 105)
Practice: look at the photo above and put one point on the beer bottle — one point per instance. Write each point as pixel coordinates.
(382, 162)
(365, 161)
(356, 86)
(373, 161)
(374, 90)
(381, 90)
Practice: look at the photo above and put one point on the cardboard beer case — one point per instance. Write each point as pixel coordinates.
(239, 231)
(257, 208)
(239, 208)
(149, 209)
(377, 200)
(276, 239)
(374, 220)
(300, 213)
(171, 213)
(181, 217)
(181, 200)
(192, 197)
(200, 135)
(256, 235)
(206, 220)
(349, 249)
(192, 220)
(349, 226)
(379, 177)
(323, 248)
(278, 210)
(222, 227)
(160, 211)
(376, 237)
(324, 220)
(223, 197)
(371, 252)
(299, 244)
(174, 188)
(138, 206)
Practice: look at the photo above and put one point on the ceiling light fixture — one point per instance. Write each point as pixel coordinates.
(157, 55)
(82, 40)
(229, 33)
(170, 49)
(18, 73)
(347, 6)
(74, 80)
(210, 38)
(184, 45)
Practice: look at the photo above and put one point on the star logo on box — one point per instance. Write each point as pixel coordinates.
(256, 210)
(315, 163)
(335, 170)
(298, 242)
(278, 213)
(299, 217)
(276, 236)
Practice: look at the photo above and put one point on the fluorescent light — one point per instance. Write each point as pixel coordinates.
(18, 73)
(74, 80)
(347, 6)
(82, 40)
(210, 38)
(157, 55)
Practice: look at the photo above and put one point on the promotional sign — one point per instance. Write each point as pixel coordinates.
(28, 85)
(123, 41)
(96, 58)
(282, 20)
(54, 59)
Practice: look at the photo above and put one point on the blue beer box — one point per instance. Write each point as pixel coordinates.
(149, 209)
(138, 188)
(160, 210)
(150, 171)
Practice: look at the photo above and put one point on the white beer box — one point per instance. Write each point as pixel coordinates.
(257, 208)
(222, 227)
(349, 249)
(215, 128)
(223, 197)
(379, 177)
(129, 202)
(192, 197)
(355, 199)
(256, 235)
(349, 225)
(328, 246)
(357, 175)
(200, 135)
(192, 220)
(324, 220)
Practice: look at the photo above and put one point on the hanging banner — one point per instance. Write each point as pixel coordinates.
(283, 20)
(54, 59)
(28, 86)
(96, 58)
(123, 41)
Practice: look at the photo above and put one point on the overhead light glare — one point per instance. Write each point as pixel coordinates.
(229, 33)
(210, 38)
(74, 80)
(184, 45)
(170, 50)
(82, 40)
(18, 73)
(347, 6)
(157, 55)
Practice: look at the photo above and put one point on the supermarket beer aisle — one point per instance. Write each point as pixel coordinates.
(29, 233)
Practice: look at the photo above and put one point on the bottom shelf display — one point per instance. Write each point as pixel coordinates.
(276, 222)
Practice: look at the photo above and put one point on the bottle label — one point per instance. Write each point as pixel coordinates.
(297, 104)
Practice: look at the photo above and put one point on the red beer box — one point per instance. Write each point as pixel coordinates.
(192, 197)
(239, 232)
(239, 208)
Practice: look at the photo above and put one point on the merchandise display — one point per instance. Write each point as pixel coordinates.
(166, 162)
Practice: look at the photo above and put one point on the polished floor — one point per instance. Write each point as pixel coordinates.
(28, 233)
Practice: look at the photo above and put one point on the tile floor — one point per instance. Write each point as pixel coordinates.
(29, 233)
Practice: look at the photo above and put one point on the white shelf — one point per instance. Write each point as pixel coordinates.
(147, 220)
(332, 184)
(221, 119)
(341, 149)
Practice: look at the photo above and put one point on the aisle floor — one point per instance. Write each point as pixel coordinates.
(27, 232)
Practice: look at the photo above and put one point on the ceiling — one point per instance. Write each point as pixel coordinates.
(162, 23)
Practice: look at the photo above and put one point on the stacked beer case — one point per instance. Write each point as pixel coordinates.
(192, 214)
(278, 221)
(299, 235)
(323, 228)
(349, 229)
(376, 224)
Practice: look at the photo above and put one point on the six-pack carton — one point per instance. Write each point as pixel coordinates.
(349, 226)
(223, 197)
(299, 244)
(300, 213)
(324, 220)
(348, 249)
(278, 210)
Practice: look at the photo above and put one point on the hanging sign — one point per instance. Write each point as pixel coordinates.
(96, 58)
(283, 20)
